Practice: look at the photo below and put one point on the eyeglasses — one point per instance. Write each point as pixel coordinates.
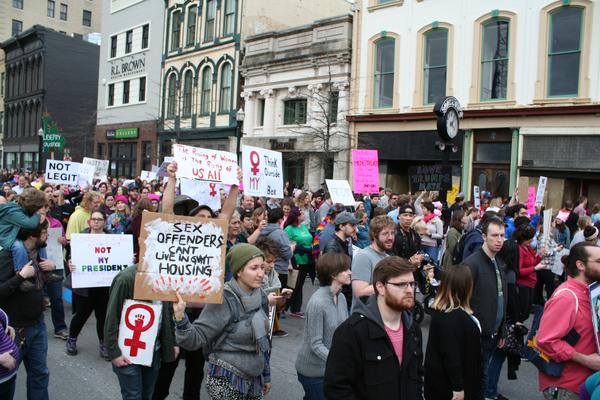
(97, 219)
(402, 285)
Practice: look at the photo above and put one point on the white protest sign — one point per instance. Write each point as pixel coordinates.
(101, 167)
(148, 176)
(138, 330)
(162, 170)
(541, 190)
(263, 172)
(98, 258)
(86, 174)
(62, 172)
(206, 164)
(207, 193)
(54, 249)
(476, 197)
(546, 225)
(340, 192)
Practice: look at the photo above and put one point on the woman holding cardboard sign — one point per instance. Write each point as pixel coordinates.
(233, 331)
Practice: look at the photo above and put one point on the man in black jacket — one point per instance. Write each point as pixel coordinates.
(407, 242)
(345, 230)
(489, 289)
(377, 352)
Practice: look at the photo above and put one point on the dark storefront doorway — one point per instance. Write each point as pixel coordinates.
(491, 161)
(123, 159)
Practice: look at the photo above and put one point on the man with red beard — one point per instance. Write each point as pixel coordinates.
(377, 352)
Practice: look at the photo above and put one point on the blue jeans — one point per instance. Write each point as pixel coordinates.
(34, 354)
(488, 347)
(55, 293)
(493, 372)
(432, 251)
(137, 381)
(7, 389)
(313, 387)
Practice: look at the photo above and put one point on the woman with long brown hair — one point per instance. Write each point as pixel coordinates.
(453, 362)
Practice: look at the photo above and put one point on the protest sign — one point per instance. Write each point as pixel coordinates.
(430, 178)
(595, 302)
(148, 176)
(451, 194)
(531, 200)
(54, 249)
(206, 164)
(207, 193)
(101, 167)
(162, 170)
(476, 197)
(62, 172)
(263, 172)
(138, 330)
(365, 171)
(86, 175)
(541, 190)
(183, 254)
(340, 192)
(98, 258)
(546, 225)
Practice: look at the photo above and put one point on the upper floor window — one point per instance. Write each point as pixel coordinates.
(206, 86)
(294, 111)
(172, 96)
(564, 51)
(51, 7)
(176, 30)
(187, 94)
(18, 4)
(383, 80)
(2, 77)
(126, 92)
(17, 27)
(225, 94)
(111, 94)
(434, 67)
(261, 112)
(113, 46)
(87, 18)
(145, 35)
(494, 60)
(192, 17)
(334, 98)
(209, 26)
(229, 18)
(63, 11)
(128, 41)
(142, 89)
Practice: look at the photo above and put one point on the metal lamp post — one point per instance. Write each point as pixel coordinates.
(40, 148)
(239, 117)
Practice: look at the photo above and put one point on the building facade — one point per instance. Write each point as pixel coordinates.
(200, 91)
(54, 75)
(296, 96)
(77, 18)
(526, 74)
(129, 85)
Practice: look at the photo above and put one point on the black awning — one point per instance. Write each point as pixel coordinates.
(407, 145)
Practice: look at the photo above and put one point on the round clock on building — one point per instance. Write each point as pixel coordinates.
(448, 112)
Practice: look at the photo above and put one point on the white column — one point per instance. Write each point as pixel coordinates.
(270, 112)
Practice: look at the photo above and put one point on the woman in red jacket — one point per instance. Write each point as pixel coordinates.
(529, 263)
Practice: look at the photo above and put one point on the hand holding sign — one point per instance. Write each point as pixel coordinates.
(138, 329)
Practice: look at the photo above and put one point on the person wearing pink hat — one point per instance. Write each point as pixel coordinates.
(119, 221)
(155, 199)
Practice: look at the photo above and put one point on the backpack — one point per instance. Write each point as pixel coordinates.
(234, 305)
(457, 253)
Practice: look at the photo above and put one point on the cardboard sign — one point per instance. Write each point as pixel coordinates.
(138, 329)
(62, 172)
(263, 172)
(86, 175)
(183, 254)
(162, 170)
(365, 171)
(531, 200)
(340, 192)
(98, 258)
(207, 193)
(541, 190)
(101, 167)
(547, 224)
(595, 302)
(476, 197)
(54, 250)
(451, 194)
(206, 164)
(148, 176)
(430, 178)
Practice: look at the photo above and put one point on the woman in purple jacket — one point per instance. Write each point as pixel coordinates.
(9, 358)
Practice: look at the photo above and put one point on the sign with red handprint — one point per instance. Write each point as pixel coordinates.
(138, 330)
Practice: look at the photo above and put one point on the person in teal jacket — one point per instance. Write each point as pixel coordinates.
(27, 212)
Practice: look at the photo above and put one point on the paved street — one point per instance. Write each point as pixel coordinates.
(86, 376)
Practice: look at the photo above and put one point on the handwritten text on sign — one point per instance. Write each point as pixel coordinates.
(183, 254)
(430, 177)
(340, 192)
(101, 169)
(206, 164)
(98, 258)
(365, 171)
(138, 329)
(263, 172)
(62, 172)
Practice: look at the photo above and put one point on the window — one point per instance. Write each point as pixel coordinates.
(146, 156)
(434, 70)
(51, 8)
(128, 41)
(87, 18)
(334, 98)
(384, 73)
(261, 112)
(225, 94)
(229, 20)
(187, 94)
(294, 112)
(175, 30)
(209, 27)
(191, 26)
(494, 60)
(100, 150)
(126, 92)
(142, 90)
(63, 11)
(2, 84)
(111, 94)
(17, 27)
(113, 46)
(1, 122)
(18, 4)
(145, 35)
(564, 51)
(206, 86)
(171, 96)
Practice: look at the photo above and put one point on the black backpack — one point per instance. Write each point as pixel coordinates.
(457, 254)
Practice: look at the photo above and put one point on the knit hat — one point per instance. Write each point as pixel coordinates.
(590, 233)
(240, 254)
(154, 196)
(405, 208)
(122, 198)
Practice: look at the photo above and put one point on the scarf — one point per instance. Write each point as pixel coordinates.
(252, 302)
(428, 217)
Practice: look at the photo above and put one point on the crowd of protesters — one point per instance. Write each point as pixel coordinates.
(492, 267)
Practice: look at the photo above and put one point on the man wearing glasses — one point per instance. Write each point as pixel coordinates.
(377, 352)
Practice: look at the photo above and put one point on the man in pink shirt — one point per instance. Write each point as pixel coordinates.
(569, 308)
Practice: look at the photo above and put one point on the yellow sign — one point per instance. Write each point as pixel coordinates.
(451, 194)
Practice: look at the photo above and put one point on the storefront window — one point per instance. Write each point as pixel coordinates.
(122, 159)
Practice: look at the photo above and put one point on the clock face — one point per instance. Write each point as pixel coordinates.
(451, 123)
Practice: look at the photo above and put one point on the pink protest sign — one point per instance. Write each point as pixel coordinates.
(365, 170)
(531, 192)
